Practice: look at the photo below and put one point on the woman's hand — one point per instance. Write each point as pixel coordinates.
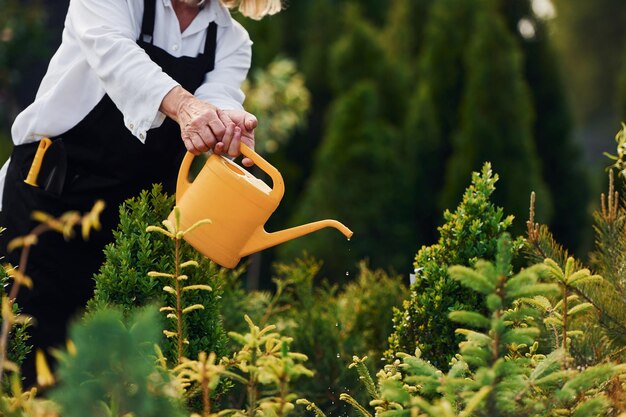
(240, 127)
(201, 126)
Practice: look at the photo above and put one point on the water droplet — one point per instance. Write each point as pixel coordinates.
(348, 239)
(347, 273)
(338, 355)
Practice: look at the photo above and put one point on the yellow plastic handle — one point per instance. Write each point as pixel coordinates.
(182, 183)
(278, 186)
(35, 166)
(278, 189)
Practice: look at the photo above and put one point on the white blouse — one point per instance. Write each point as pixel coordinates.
(99, 54)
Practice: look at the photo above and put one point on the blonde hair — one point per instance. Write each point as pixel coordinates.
(254, 9)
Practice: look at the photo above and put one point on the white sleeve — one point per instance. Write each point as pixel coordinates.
(233, 55)
(107, 37)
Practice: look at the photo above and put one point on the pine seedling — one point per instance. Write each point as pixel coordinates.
(176, 312)
(367, 381)
(264, 361)
(202, 375)
(609, 259)
(604, 294)
(540, 243)
(568, 280)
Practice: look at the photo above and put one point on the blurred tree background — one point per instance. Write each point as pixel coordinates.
(407, 97)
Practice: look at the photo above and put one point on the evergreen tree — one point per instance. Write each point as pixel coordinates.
(433, 111)
(469, 233)
(360, 54)
(123, 280)
(496, 122)
(357, 180)
(359, 176)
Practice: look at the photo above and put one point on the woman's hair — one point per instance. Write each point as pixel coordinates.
(254, 9)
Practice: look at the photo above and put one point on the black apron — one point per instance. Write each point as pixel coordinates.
(104, 161)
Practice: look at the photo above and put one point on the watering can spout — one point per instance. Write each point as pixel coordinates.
(262, 240)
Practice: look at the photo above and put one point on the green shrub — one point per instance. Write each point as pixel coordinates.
(498, 372)
(113, 371)
(327, 323)
(468, 234)
(123, 280)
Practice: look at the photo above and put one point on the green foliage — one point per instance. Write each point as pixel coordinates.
(605, 324)
(415, 55)
(360, 55)
(265, 361)
(467, 235)
(498, 371)
(123, 279)
(404, 28)
(326, 323)
(113, 371)
(22, 38)
(278, 98)
(359, 146)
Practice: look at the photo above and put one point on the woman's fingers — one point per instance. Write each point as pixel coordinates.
(228, 138)
(250, 121)
(233, 149)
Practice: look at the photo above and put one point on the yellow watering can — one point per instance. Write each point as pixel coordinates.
(238, 205)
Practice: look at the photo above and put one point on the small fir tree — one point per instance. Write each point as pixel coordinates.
(468, 234)
(606, 327)
(123, 280)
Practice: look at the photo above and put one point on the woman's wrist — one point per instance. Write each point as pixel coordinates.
(173, 101)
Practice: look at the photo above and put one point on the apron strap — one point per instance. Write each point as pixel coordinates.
(210, 44)
(147, 24)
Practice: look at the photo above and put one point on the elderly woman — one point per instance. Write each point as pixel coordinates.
(133, 85)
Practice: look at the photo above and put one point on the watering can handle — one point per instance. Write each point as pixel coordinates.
(278, 188)
(182, 183)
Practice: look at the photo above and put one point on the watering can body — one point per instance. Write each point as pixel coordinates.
(238, 205)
